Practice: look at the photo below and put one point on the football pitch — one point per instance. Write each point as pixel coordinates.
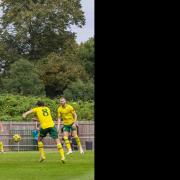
(25, 166)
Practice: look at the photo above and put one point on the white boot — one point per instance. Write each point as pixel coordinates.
(69, 152)
(81, 150)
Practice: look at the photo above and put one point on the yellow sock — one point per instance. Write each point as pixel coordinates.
(78, 141)
(66, 140)
(41, 149)
(1, 146)
(61, 150)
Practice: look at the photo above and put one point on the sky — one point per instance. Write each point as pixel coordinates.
(87, 31)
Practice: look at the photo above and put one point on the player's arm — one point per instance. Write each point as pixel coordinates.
(59, 123)
(35, 119)
(27, 113)
(73, 112)
(75, 118)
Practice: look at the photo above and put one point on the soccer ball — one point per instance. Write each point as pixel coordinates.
(16, 138)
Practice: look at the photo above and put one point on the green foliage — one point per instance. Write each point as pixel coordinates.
(80, 90)
(37, 28)
(86, 56)
(57, 72)
(8, 50)
(13, 106)
(84, 109)
(23, 79)
(39, 32)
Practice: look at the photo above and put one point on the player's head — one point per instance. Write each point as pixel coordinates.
(62, 101)
(40, 103)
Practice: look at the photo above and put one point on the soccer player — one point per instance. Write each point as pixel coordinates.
(47, 126)
(35, 134)
(68, 116)
(1, 143)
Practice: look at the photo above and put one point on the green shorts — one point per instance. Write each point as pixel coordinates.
(69, 128)
(52, 131)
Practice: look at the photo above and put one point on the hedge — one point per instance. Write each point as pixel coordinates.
(12, 107)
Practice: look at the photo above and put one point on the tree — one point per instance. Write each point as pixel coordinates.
(35, 28)
(57, 72)
(80, 90)
(86, 56)
(23, 79)
(2, 65)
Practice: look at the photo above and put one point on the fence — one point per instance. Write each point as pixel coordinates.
(85, 131)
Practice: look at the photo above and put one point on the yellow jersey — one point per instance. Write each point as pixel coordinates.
(44, 117)
(66, 114)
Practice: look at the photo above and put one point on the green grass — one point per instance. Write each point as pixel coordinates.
(25, 166)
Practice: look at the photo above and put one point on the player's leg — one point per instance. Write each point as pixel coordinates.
(54, 134)
(41, 150)
(1, 146)
(42, 134)
(74, 134)
(60, 149)
(66, 131)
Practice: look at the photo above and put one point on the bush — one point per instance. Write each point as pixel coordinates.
(13, 106)
(23, 79)
(80, 90)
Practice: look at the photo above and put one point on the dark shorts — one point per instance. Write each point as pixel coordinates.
(52, 131)
(69, 128)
